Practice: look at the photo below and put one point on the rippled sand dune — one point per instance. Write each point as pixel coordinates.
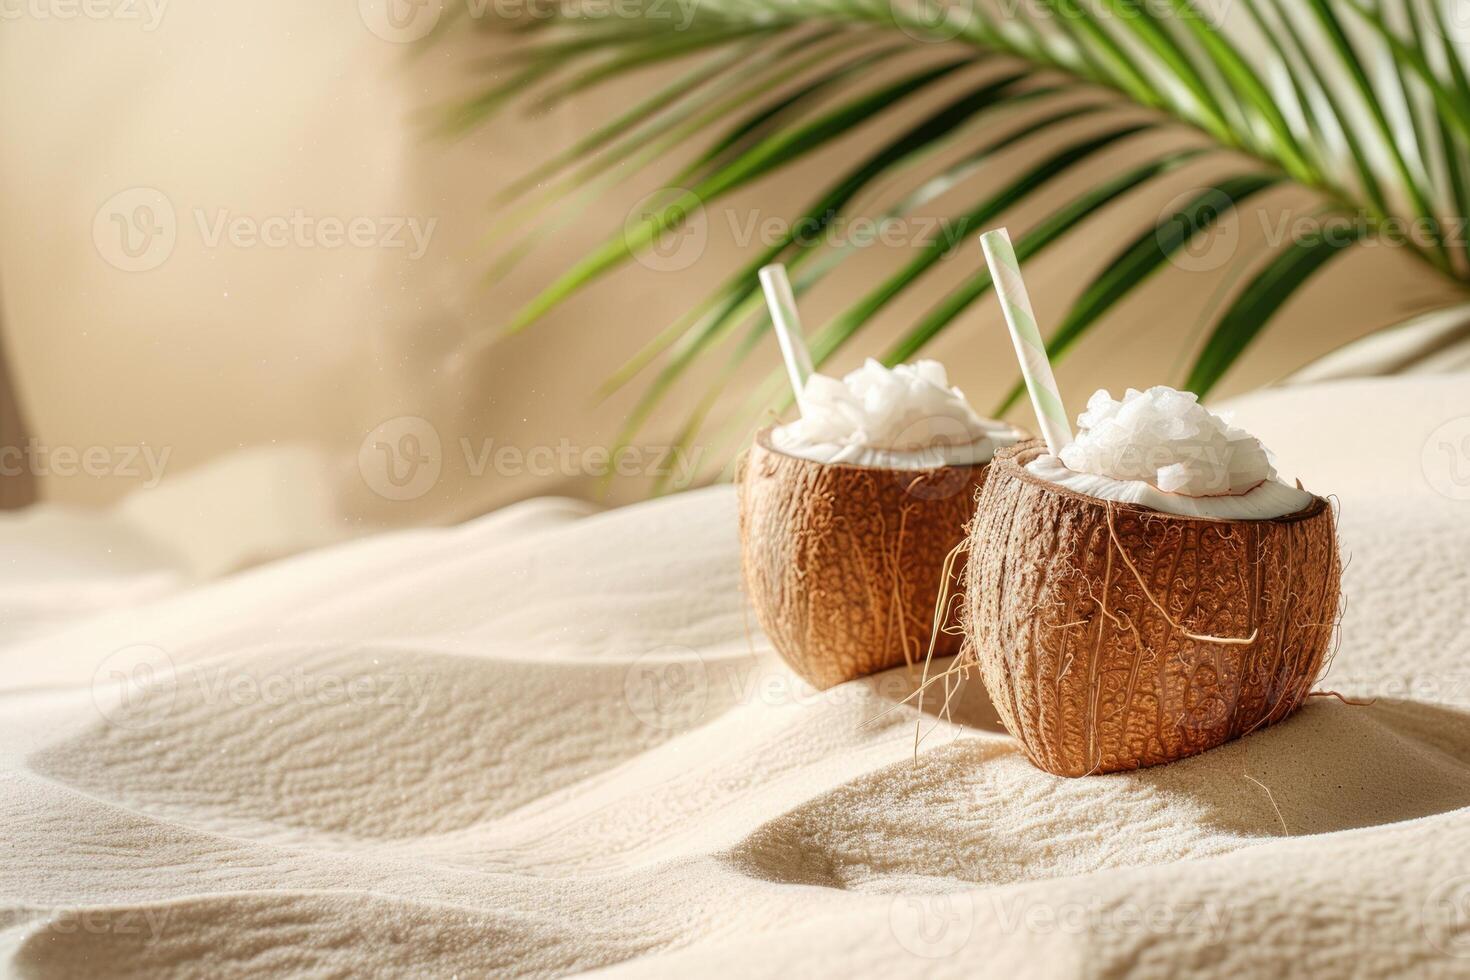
(553, 740)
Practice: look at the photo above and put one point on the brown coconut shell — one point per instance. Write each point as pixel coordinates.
(843, 564)
(1112, 636)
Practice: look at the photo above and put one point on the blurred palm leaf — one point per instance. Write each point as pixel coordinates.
(1364, 103)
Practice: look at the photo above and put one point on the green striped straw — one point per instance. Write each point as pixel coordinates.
(1046, 399)
(782, 303)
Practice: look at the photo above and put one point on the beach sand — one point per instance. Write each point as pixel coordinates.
(552, 740)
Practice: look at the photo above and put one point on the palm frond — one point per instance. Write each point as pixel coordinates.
(1363, 105)
(1262, 298)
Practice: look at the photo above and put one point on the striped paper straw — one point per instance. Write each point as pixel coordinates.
(779, 298)
(1046, 399)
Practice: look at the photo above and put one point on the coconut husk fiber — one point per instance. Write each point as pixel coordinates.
(1111, 636)
(843, 564)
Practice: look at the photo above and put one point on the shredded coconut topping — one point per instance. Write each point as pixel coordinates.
(908, 416)
(1166, 438)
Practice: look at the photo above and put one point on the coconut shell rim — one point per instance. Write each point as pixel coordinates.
(763, 439)
(1009, 461)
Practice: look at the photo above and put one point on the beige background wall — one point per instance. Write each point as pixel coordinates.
(297, 353)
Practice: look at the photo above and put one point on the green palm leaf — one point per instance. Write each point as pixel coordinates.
(1265, 294)
(1030, 245)
(767, 155)
(1033, 243)
(742, 299)
(762, 86)
(1145, 257)
(740, 292)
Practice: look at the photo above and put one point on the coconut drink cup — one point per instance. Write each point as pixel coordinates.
(1121, 622)
(849, 515)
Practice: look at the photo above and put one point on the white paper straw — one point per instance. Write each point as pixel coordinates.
(782, 303)
(1046, 398)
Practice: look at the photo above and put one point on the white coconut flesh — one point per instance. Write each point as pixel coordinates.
(1161, 449)
(905, 418)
